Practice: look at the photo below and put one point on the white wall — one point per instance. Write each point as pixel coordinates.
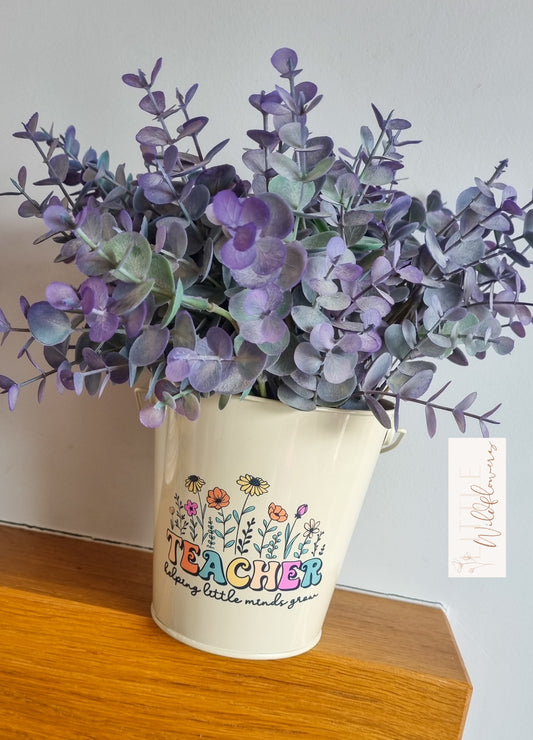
(461, 72)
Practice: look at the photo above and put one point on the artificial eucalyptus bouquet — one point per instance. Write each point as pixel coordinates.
(318, 282)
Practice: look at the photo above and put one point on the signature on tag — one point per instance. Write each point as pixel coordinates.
(476, 514)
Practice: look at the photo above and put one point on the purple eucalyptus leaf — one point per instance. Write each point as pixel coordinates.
(189, 95)
(103, 325)
(498, 222)
(293, 267)
(132, 80)
(280, 222)
(399, 208)
(377, 372)
(237, 259)
(227, 208)
(458, 357)
(12, 396)
(347, 272)
(134, 321)
(62, 296)
(270, 255)
(431, 420)
(335, 248)
(28, 209)
(518, 329)
(265, 139)
(338, 367)
(93, 360)
(24, 305)
(153, 103)
(5, 326)
(156, 189)
(250, 361)
(373, 302)
(273, 329)
(170, 157)
(6, 383)
(335, 393)
(322, 337)
(183, 333)
(219, 341)
(192, 127)
(417, 385)
(205, 373)
(306, 91)
(503, 345)
(58, 167)
(381, 270)
(153, 135)
(289, 397)
(412, 274)
(347, 185)
(379, 412)
(152, 416)
(178, 365)
(466, 402)
(307, 358)
(188, 406)
(257, 161)
(149, 346)
(196, 201)
(40, 390)
(47, 324)
(244, 237)
(91, 263)
(460, 420)
(57, 218)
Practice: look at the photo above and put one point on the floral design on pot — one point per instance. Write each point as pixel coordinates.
(272, 553)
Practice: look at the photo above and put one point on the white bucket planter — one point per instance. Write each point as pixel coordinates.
(255, 508)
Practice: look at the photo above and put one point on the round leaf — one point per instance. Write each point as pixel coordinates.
(47, 324)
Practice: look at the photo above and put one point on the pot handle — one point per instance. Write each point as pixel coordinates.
(392, 439)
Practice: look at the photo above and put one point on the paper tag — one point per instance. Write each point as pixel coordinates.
(476, 515)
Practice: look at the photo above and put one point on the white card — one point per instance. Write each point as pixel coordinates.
(476, 514)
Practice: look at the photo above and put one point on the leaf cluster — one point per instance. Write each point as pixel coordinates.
(320, 281)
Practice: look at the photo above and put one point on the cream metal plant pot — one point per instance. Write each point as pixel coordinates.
(255, 506)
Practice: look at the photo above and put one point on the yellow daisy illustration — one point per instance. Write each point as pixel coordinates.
(252, 485)
(194, 483)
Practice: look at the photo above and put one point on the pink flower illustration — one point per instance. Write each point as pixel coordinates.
(191, 508)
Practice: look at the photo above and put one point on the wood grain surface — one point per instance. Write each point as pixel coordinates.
(81, 658)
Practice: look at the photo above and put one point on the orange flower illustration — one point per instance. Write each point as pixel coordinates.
(217, 498)
(276, 513)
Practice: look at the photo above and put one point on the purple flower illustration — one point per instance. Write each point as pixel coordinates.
(301, 511)
(191, 508)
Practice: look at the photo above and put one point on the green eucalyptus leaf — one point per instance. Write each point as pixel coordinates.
(319, 241)
(161, 273)
(131, 255)
(377, 175)
(174, 305)
(320, 169)
(296, 194)
(285, 166)
(368, 243)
